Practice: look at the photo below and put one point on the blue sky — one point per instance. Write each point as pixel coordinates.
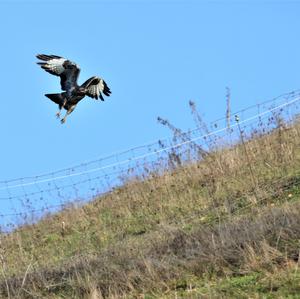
(154, 55)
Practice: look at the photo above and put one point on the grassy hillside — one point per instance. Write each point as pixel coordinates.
(225, 226)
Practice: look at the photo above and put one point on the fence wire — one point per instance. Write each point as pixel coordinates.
(29, 198)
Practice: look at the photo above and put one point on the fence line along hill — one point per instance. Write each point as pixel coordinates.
(209, 213)
(28, 198)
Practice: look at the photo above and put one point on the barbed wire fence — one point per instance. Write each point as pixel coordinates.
(27, 199)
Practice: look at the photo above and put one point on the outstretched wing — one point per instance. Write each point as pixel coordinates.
(67, 70)
(95, 86)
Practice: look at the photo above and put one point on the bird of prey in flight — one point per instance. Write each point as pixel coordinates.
(68, 72)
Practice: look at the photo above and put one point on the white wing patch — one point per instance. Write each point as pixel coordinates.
(96, 89)
(56, 65)
(52, 64)
(101, 85)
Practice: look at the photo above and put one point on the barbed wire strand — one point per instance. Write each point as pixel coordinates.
(145, 145)
(149, 153)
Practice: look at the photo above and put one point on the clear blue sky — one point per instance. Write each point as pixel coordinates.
(154, 55)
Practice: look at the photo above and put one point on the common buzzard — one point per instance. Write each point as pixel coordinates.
(68, 72)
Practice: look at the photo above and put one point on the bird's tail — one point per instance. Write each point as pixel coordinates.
(57, 98)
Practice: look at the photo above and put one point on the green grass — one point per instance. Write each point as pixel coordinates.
(284, 283)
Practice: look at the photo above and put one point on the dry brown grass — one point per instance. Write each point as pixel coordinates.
(230, 213)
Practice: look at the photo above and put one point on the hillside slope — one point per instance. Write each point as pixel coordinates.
(227, 225)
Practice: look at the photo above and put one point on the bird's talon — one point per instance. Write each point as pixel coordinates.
(57, 115)
(62, 121)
